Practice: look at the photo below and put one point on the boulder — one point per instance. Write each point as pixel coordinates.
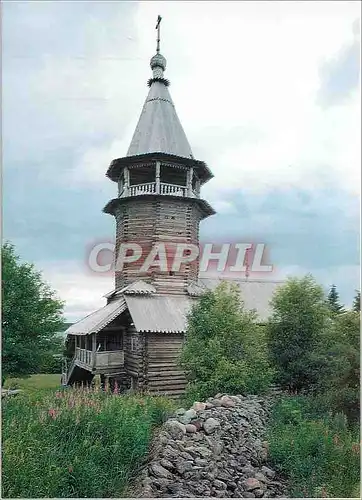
(176, 429)
(160, 472)
(251, 484)
(211, 425)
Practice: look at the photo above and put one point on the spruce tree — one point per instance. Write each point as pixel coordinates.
(333, 300)
(357, 302)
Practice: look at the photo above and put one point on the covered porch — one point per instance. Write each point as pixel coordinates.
(97, 344)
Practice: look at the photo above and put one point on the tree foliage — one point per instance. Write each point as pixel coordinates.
(339, 385)
(357, 301)
(225, 350)
(295, 332)
(31, 316)
(333, 300)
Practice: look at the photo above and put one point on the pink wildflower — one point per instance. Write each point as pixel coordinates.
(52, 413)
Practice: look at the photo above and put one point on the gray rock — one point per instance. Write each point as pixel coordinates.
(220, 485)
(167, 464)
(174, 488)
(186, 456)
(236, 399)
(160, 472)
(169, 453)
(260, 477)
(191, 429)
(183, 466)
(258, 493)
(211, 425)
(200, 462)
(216, 403)
(248, 471)
(269, 473)
(175, 429)
(227, 402)
(180, 412)
(204, 452)
(251, 484)
(187, 416)
(197, 406)
(248, 494)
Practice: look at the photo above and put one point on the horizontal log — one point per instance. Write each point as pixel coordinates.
(154, 366)
(165, 373)
(162, 388)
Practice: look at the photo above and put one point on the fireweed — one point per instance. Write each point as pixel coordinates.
(76, 442)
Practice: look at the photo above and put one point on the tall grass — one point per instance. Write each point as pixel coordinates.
(319, 455)
(76, 442)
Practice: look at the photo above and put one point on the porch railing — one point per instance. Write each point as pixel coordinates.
(103, 359)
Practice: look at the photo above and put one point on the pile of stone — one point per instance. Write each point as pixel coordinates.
(214, 449)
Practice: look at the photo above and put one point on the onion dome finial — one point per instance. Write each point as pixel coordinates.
(158, 61)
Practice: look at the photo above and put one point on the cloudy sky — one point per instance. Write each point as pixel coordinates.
(267, 92)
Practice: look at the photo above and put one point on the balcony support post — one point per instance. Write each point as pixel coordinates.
(126, 181)
(158, 169)
(190, 174)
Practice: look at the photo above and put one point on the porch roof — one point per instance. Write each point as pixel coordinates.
(99, 319)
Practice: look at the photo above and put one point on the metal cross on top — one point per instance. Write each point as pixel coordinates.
(159, 19)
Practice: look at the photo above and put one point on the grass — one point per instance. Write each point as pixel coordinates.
(319, 454)
(34, 383)
(75, 443)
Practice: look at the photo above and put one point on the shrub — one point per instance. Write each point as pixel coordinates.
(75, 443)
(319, 455)
(225, 350)
(295, 333)
(339, 387)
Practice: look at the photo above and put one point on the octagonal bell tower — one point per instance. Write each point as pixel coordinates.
(158, 204)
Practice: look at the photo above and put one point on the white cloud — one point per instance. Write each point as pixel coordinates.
(81, 290)
(244, 78)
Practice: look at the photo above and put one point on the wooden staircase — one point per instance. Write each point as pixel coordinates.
(74, 374)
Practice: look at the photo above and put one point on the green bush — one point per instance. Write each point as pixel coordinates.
(225, 349)
(339, 386)
(75, 443)
(295, 333)
(320, 456)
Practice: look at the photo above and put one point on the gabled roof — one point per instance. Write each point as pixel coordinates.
(96, 321)
(139, 287)
(168, 314)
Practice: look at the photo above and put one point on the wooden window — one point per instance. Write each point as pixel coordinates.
(133, 344)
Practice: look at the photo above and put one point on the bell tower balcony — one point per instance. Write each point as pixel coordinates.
(158, 178)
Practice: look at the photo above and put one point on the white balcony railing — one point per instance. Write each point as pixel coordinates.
(152, 188)
(148, 188)
(173, 189)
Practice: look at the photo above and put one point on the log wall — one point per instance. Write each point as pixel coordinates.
(134, 356)
(149, 221)
(162, 372)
